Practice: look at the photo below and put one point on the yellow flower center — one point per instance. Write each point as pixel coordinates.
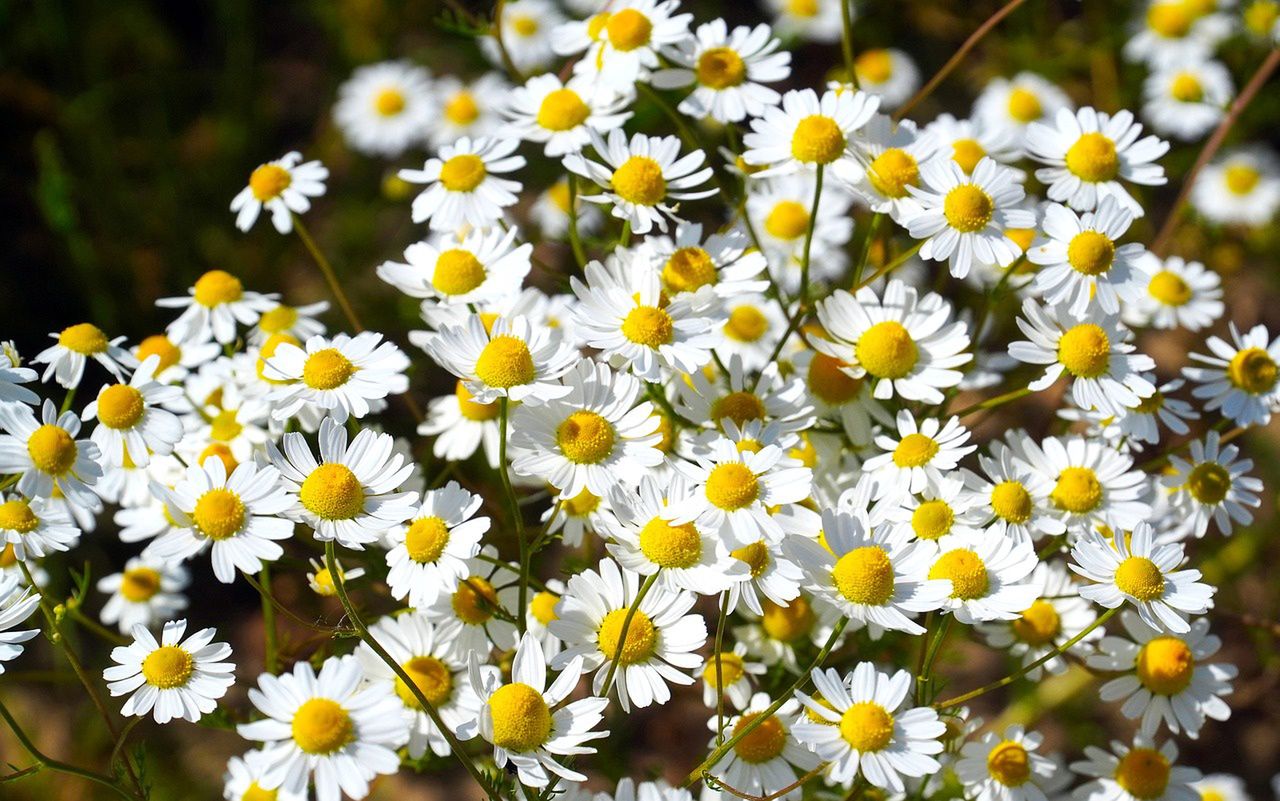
(1209, 483)
(1039, 624)
(220, 451)
(1143, 773)
(746, 324)
(671, 546)
(1172, 19)
(688, 269)
(628, 29)
(389, 102)
(322, 726)
(432, 678)
(1241, 178)
(582, 504)
(16, 515)
(8, 556)
(167, 667)
(756, 555)
(1078, 490)
(52, 450)
(426, 539)
(968, 208)
(1085, 350)
(120, 406)
(268, 350)
(84, 338)
(788, 219)
(1093, 158)
(915, 450)
(525, 25)
(269, 181)
(1261, 16)
(327, 369)
(1186, 88)
(462, 109)
(159, 345)
(967, 153)
(224, 426)
(866, 726)
(873, 66)
(1091, 253)
(732, 486)
(739, 407)
(462, 173)
(967, 572)
(1165, 666)
(832, 385)
(505, 362)
(543, 607)
(585, 438)
(886, 350)
(1252, 370)
(731, 669)
(521, 718)
(1139, 577)
(332, 492)
(256, 792)
(1022, 237)
(817, 140)
(140, 584)
(219, 513)
(1024, 106)
(457, 272)
(217, 287)
(864, 576)
(639, 180)
(472, 410)
(761, 744)
(893, 171)
(932, 519)
(1009, 764)
(648, 326)
(804, 8)
(1011, 502)
(1169, 288)
(474, 601)
(596, 25)
(562, 110)
(720, 68)
(641, 641)
(788, 623)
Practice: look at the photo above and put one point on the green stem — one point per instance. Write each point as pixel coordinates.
(724, 615)
(330, 277)
(55, 765)
(622, 633)
(991, 403)
(873, 228)
(846, 41)
(935, 646)
(269, 621)
(808, 237)
(575, 239)
(504, 413)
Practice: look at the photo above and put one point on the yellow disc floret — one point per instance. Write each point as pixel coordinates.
(788, 623)
(159, 345)
(968, 208)
(668, 545)
(829, 383)
(475, 601)
(732, 486)
(1143, 773)
(1209, 483)
(585, 437)
(1077, 490)
(219, 513)
(915, 450)
(463, 173)
(893, 171)
(967, 571)
(1139, 577)
(16, 515)
(425, 539)
(817, 140)
(1169, 288)
(1024, 106)
(84, 338)
(739, 407)
(688, 269)
(562, 110)
(52, 450)
(746, 324)
(874, 66)
(932, 519)
(1009, 764)
(864, 576)
(639, 180)
(322, 726)
(720, 68)
(167, 667)
(269, 181)
(886, 350)
(1165, 666)
(866, 726)
(1085, 350)
(648, 326)
(1253, 370)
(521, 718)
(1011, 502)
(505, 362)
(389, 102)
(628, 29)
(327, 369)
(731, 669)
(332, 492)
(788, 220)
(1039, 623)
(457, 272)
(967, 153)
(762, 743)
(432, 678)
(1091, 253)
(1093, 158)
(140, 584)
(217, 287)
(120, 406)
(641, 640)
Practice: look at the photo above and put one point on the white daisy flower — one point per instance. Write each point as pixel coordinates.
(471, 110)
(887, 73)
(1141, 772)
(482, 266)
(1106, 374)
(969, 142)
(773, 581)
(1166, 678)
(735, 675)
(1093, 484)
(177, 360)
(384, 109)
(528, 723)
(463, 183)
(1179, 294)
(922, 453)
(889, 158)
(218, 300)
(622, 43)
(814, 20)
(1081, 260)
(460, 426)
(562, 115)
(171, 677)
(47, 454)
(902, 341)
(478, 615)
(1013, 104)
(1241, 187)
(283, 187)
(1049, 623)
(779, 209)
(1212, 484)
(516, 359)
(808, 131)
(1014, 496)
(1222, 786)
(527, 27)
(297, 321)
(76, 344)
(550, 212)
(659, 645)
(1145, 574)
(17, 602)
(12, 374)
(737, 400)
(242, 781)
(1142, 423)
(1173, 32)
(35, 527)
(430, 553)
(990, 578)
(441, 676)
(329, 728)
(1089, 152)
(728, 69)
(1242, 378)
(943, 507)
(350, 494)
(865, 728)
(343, 377)
(726, 261)
(131, 424)
(1006, 768)
(1188, 100)
(320, 580)
(149, 591)
(641, 177)
(768, 759)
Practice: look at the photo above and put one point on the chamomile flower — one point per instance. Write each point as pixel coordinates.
(441, 676)
(861, 725)
(1089, 152)
(342, 377)
(1082, 262)
(477, 616)
(1141, 772)
(1174, 32)
(751, 332)
(466, 110)
(460, 426)
(47, 455)
(735, 674)
(1213, 485)
(657, 648)
(527, 27)
(482, 266)
(350, 494)
(17, 602)
(562, 115)
(1239, 188)
(528, 723)
(1052, 620)
(943, 507)
(728, 69)
(147, 592)
(1143, 423)
(131, 424)
(969, 142)
(1166, 677)
(887, 73)
(430, 553)
(1014, 496)
(35, 527)
(283, 187)
(1006, 768)
(641, 177)
(76, 344)
(622, 43)
(298, 322)
(990, 578)
(1223, 786)
(384, 109)
(903, 342)
(1014, 104)
(814, 20)
(320, 580)
(773, 578)
(1093, 484)
(1187, 101)
(463, 183)
(889, 158)
(515, 358)
(1106, 374)
(176, 359)
(876, 578)
(1143, 573)
(550, 212)
(1179, 294)
(1241, 377)
(737, 401)
(923, 451)
(328, 727)
(768, 759)
(808, 131)
(725, 261)
(540, 613)
(171, 677)
(780, 208)
(13, 375)
(242, 781)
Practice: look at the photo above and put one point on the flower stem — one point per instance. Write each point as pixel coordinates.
(575, 239)
(808, 238)
(872, 228)
(991, 403)
(269, 621)
(622, 633)
(846, 41)
(504, 412)
(724, 615)
(330, 277)
(53, 764)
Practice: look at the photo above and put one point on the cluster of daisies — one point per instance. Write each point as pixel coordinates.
(717, 445)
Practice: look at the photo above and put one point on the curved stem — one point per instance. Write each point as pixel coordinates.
(53, 764)
(724, 615)
(622, 633)
(507, 63)
(991, 403)
(333, 631)
(808, 237)
(872, 228)
(890, 267)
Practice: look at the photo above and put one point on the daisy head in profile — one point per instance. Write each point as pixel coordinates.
(218, 301)
(515, 358)
(77, 344)
(283, 187)
(808, 131)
